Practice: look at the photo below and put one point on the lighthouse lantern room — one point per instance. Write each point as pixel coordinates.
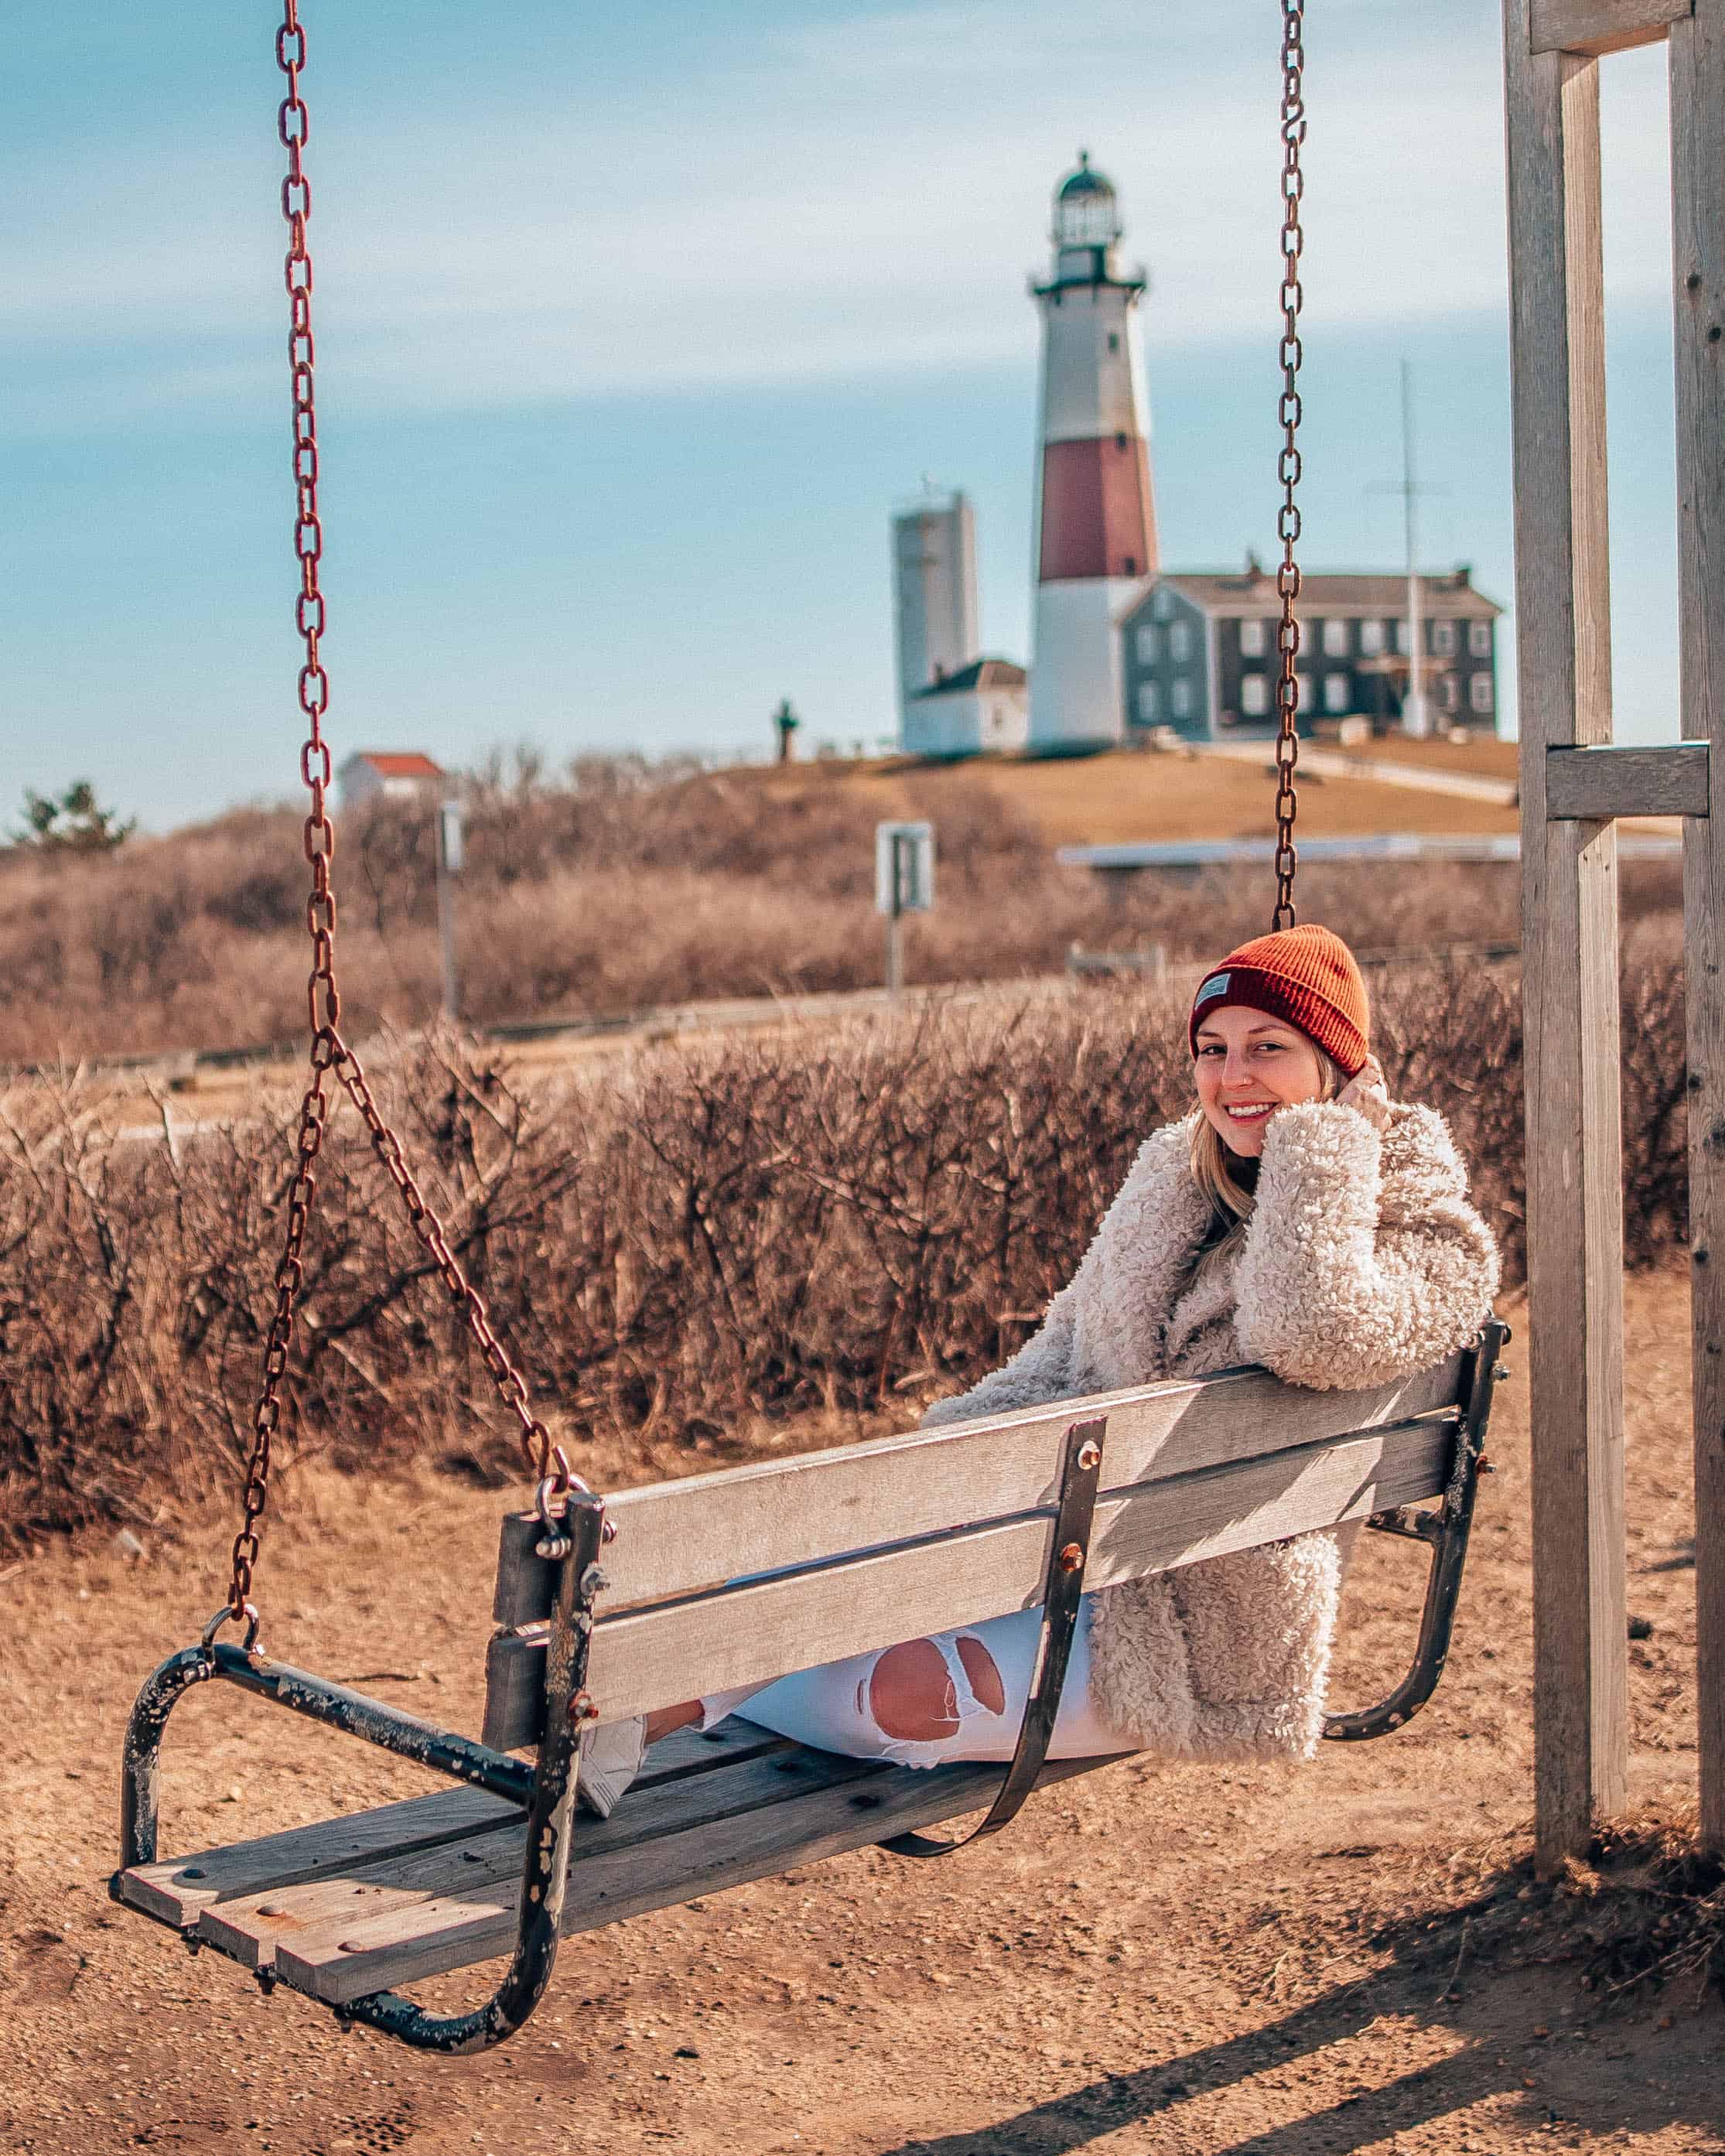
(1095, 522)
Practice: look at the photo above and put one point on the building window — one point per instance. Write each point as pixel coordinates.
(1254, 696)
(1371, 638)
(1149, 703)
(1254, 638)
(1479, 693)
(1120, 441)
(1443, 639)
(1334, 692)
(1129, 567)
(1113, 339)
(1149, 641)
(1452, 693)
(1479, 638)
(1162, 605)
(1179, 640)
(1402, 644)
(1335, 639)
(1305, 703)
(1179, 699)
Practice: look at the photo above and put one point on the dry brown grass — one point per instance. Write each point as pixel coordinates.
(1112, 799)
(631, 886)
(677, 1245)
(1481, 756)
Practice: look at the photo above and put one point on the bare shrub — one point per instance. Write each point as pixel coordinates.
(688, 1240)
(621, 884)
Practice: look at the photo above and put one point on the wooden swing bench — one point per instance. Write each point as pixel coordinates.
(725, 1579)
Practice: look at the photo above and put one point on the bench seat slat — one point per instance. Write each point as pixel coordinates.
(763, 1629)
(678, 1537)
(843, 1805)
(177, 1889)
(319, 1917)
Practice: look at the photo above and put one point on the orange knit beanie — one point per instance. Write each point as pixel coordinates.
(1307, 976)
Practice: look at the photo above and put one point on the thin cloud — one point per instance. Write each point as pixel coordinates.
(844, 198)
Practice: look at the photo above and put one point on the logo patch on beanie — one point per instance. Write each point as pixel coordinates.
(1215, 986)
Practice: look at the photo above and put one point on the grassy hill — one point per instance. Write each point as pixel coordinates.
(1132, 794)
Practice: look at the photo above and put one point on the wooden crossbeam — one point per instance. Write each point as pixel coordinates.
(1591, 784)
(1592, 27)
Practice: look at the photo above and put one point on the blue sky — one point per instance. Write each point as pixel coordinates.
(633, 324)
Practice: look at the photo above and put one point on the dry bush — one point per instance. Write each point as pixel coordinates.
(678, 1246)
(1648, 1906)
(624, 885)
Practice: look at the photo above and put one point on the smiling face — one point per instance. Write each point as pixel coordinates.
(1249, 1064)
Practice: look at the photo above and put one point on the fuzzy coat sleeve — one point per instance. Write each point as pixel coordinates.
(1364, 1260)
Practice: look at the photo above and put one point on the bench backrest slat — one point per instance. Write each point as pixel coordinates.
(678, 1537)
(759, 1629)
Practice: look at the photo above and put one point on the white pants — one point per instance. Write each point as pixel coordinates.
(829, 1706)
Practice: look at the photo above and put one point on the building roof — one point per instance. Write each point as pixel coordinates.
(397, 764)
(980, 673)
(1349, 591)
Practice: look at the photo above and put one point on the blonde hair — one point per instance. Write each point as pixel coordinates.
(1209, 1159)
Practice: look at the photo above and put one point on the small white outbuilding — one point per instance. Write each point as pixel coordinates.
(376, 774)
(983, 709)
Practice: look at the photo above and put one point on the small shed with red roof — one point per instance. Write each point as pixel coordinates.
(380, 774)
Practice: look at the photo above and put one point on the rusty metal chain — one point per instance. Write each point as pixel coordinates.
(1287, 575)
(329, 1050)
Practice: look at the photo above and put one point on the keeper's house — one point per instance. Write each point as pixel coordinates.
(1199, 653)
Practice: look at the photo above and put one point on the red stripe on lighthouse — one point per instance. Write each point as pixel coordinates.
(1096, 515)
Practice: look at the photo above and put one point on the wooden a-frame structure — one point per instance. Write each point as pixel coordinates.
(1575, 784)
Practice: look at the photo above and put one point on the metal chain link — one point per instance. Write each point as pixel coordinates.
(329, 1050)
(1287, 575)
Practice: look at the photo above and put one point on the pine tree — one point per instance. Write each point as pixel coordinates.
(75, 823)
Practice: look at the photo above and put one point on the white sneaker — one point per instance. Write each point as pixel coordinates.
(609, 1760)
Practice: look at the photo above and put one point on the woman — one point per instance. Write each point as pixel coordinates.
(1298, 1219)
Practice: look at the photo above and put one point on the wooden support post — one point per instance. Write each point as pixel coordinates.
(1569, 963)
(1697, 88)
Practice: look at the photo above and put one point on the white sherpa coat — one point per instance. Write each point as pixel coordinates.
(1363, 1262)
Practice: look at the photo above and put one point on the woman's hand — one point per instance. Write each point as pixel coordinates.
(1366, 1092)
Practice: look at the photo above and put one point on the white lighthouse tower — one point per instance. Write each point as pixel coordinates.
(1096, 513)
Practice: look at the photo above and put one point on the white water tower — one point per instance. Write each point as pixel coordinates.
(934, 592)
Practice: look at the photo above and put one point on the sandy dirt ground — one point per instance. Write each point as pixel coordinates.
(1176, 1959)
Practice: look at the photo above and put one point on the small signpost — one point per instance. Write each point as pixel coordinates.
(449, 867)
(904, 883)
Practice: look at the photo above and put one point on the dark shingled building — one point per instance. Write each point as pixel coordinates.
(1198, 653)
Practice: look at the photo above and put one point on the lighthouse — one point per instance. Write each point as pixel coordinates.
(1095, 514)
